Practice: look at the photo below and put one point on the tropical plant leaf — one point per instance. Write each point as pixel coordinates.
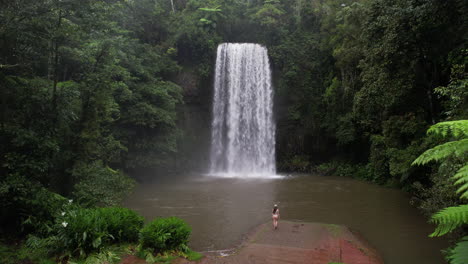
(459, 255)
(461, 177)
(105, 256)
(456, 128)
(457, 148)
(449, 218)
(97, 242)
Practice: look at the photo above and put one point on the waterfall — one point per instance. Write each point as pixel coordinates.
(243, 129)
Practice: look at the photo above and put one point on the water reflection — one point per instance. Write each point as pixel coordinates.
(222, 210)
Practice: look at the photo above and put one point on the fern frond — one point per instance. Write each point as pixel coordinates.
(461, 177)
(458, 148)
(456, 128)
(102, 257)
(449, 218)
(459, 254)
(461, 173)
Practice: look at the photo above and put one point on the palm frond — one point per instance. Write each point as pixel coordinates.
(459, 254)
(457, 148)
(449, 218)
(461, 177)
(456, 128)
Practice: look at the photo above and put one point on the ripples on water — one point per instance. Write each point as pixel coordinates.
(222, 210)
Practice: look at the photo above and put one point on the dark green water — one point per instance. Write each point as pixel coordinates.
(221, 211)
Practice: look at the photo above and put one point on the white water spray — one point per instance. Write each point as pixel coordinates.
(243, 130)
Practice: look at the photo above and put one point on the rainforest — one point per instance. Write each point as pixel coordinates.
(121, 139)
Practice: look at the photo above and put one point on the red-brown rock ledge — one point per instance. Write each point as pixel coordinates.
(297, 242)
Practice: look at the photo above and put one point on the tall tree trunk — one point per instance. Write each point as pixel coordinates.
(3, 143)
(56, 62)
(172, 5)
(53, 114)
(431, 105)
(50, 63)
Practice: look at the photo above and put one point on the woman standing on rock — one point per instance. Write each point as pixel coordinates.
(275, 216)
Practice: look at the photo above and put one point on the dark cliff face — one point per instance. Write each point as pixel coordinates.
(194, 121)
(195, 115)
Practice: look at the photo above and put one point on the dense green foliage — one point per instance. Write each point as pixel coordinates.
(26, 206)
(91, 90)
(165, 234)
(453, 217)
(80, 231)
(103, 235)
(84, 97)
(100, 226)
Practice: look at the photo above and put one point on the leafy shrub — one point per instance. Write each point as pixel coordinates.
(85, 230)
(124, 224)
(362, 172)
(105, 256)
(100, 185)
(193, 256)
(165, 234)
(439, 192)
(296, 163)
(47, 246)
(344, 169)
(168, 257)
(26, 206)
(148, 256)
(22, 253)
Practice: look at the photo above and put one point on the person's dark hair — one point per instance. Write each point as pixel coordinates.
(275, 208)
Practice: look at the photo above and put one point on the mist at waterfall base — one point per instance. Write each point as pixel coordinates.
(243, 129)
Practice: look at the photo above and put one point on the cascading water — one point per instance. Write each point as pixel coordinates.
(243, 130)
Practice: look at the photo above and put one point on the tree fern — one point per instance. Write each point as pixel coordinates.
(456, 128)
(461, 177)
(449, 218)
(459, 254)
(457, 148)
